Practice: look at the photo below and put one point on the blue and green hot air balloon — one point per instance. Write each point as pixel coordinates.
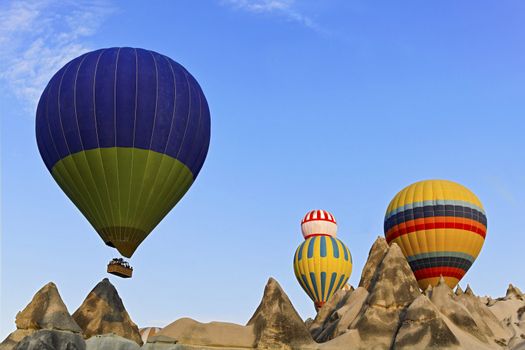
(124, 132)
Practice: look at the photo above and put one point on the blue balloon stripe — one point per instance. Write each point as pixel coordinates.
(301, 251)
(335, 247)
(323, 246)
(311, 247)
(124, 97)
(85, 102)
(67, 93)
(345, 251)
(332, 283)
(314, 285)
(308, 289)
(323, 286)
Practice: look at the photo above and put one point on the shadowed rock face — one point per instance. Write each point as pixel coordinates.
(46, 339)
(325, 314)
(484, 318)
(392, 288)
(375, 256)
(424, 328)
(103, 312)
(443, 298)
(276, 322)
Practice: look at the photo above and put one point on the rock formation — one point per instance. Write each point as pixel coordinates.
(443, 297)
(423, 327)
(510, 311)
(276, 322)
(110, 342)
(214, 334)
(103, 312)
(147, 332)
(46, 339)
(375, 256)
(44, 320)
(386, 311)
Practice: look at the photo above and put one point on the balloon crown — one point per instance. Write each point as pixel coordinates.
(318, 222)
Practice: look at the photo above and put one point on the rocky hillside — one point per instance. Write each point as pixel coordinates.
(386, 311)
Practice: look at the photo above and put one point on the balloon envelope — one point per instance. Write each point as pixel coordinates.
(440, 226)
(124, 132)
(322, 265)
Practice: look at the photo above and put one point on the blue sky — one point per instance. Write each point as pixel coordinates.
(315, 104)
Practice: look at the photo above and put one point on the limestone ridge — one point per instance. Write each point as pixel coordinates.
(103, 312)
(276, 322)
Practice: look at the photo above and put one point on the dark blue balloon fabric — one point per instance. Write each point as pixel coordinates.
(124, 97)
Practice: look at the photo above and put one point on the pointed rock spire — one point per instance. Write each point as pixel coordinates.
(428, 291)
(276, 322)
(103, 312)
(393, 288)
(46, 311)
(458, 291)
(469, 290)
(375, 256)
(45, 320)
(513, 292)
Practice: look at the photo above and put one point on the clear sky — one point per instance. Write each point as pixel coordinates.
(330, 104)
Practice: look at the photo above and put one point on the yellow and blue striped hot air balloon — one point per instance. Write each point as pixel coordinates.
(322, 265)
(440, 226)
(124, 132)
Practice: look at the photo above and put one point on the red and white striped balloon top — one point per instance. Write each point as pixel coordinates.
(318, 222)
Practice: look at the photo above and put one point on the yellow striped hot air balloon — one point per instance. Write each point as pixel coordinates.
(440, 226)
(322, 265)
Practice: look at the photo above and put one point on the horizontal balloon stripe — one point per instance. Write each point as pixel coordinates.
(421, 242)
(435, 211)
(439, 271)
(432, 203)
(123, 192)
(441, 254)
(124, 97)
(451, 261)
(436, 223)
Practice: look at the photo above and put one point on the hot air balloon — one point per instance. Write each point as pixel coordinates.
(440, 226)
(322, 263)
(124, 132)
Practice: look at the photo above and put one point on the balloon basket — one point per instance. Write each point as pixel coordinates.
(120, 268)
